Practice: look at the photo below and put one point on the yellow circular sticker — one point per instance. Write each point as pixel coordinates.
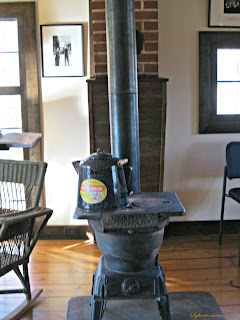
(93, 191)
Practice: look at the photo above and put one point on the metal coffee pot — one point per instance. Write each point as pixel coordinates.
(101, 183)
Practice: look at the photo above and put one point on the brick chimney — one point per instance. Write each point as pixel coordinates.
(146, 13)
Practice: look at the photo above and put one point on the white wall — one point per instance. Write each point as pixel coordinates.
(64, 110)
(193, 163)
(65, 118)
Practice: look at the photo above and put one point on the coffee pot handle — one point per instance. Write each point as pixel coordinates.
(122, 162)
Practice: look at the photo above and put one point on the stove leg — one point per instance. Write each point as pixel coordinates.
(104, 305)
(163, 300)
(97, 309)
(163, 307)
(98, 303)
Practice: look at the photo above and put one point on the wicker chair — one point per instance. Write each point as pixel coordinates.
(21, 184)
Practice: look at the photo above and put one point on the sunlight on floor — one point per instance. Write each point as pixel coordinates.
(84, 244)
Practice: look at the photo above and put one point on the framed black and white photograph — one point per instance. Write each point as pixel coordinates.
(224, 13)
(62, 50)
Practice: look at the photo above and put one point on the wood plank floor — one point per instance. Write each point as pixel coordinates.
(64, 269)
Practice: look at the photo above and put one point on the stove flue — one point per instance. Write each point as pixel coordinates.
(123, 84)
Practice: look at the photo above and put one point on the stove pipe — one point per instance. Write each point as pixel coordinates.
(122, 84)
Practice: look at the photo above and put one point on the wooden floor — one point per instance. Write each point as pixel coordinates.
(64, 269)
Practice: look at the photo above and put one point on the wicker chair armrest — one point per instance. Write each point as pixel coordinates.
(16, 224)
(18, 216)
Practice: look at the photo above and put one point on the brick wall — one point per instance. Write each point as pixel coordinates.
(146, 12)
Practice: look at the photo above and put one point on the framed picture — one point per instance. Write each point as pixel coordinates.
(224, 13)
(62, 50)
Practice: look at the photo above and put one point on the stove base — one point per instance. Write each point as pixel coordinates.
(111, 285)
(183, 305)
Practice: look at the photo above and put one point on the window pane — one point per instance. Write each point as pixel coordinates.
(228, 98)
(10, 111)
(228, 65)
(9, 70)
(9, 36)
(11, 121)
(12, 153)
(9, 55)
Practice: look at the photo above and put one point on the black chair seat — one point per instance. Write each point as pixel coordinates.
(235, 194)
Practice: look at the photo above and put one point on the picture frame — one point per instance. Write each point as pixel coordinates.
(62, 50)
(224, 13)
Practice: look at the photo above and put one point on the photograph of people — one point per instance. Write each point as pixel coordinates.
(231, 6)
(62, 50)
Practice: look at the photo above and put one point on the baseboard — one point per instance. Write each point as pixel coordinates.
(173, 229)
(201, 228)
(66, 232)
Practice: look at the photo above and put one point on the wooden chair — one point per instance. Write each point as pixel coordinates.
(21, 184)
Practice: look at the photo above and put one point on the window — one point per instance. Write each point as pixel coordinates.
(219, 82)
(10, 104)
(19, 101)
(228, 81)
(9, 53)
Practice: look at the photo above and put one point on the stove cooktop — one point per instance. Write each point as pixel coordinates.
(165, 204)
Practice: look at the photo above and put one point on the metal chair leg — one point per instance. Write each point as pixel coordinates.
(239, 253)
(223, 205)
(221, 222)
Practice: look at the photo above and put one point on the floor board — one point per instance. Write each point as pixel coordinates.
(64, 269)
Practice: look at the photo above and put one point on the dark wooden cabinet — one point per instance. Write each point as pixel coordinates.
(152, 122)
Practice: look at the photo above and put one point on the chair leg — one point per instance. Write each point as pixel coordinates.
(223, 206)
(239, 254)
(27, 281)
(221, 221)
(24, 278)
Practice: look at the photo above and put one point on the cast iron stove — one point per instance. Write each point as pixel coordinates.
(129, 240)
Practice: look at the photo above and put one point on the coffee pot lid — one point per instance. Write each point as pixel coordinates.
(99, 158)
(100, 155)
